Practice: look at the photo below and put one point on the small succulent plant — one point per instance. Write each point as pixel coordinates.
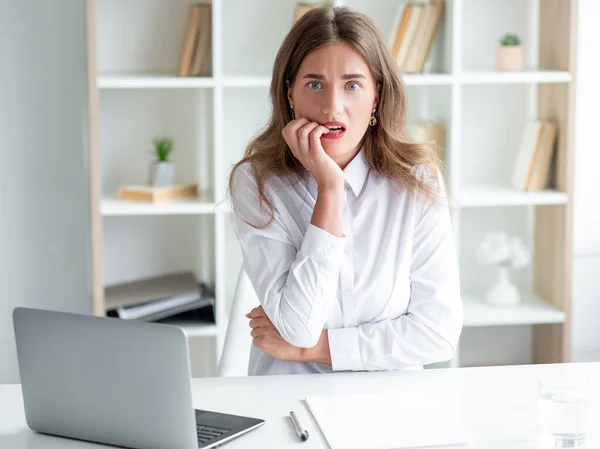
(162, 148)
(510, 40)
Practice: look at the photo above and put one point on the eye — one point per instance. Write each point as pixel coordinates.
(353, 86)
(314, 85)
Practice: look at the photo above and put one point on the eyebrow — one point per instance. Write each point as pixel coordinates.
(345, 77)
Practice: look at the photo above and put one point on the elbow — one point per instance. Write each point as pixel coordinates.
(302, 339)
(298, 332)
(302, 330)
(446, 352)
(447, 344)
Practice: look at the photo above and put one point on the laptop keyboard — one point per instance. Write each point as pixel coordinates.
(206, 433)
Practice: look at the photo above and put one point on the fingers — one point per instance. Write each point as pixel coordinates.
(290, 133)
(256, 312)
(315, 137)
(263, 331)
(259, 322)
(304, 134)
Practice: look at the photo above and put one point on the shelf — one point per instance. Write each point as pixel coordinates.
(526, 76)
(498, 195)
(193, 328)
(531, 311)
(116, 207)
(428, 79)
(246, 81)
(152, 81)
(418, 79)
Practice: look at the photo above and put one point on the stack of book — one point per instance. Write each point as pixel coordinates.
(533, 161)
(196, 54)
(157, 298)
(150, 194)
(413, 33)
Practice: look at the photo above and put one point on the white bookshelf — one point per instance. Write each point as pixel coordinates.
(532, 310)
(212, 119)
(114, 207)
(483, 195)
(153, 81)
(526, 76)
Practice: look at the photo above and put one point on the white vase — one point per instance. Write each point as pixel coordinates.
(162, 174)
(503, 292)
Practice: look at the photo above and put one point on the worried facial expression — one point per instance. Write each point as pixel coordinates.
(335, 88)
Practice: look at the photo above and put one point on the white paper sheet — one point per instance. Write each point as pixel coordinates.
(409, 420)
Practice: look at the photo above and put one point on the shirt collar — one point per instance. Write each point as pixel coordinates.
(355, 175)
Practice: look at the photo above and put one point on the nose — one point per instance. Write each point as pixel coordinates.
(332, 103)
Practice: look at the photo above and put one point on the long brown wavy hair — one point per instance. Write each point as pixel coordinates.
(387, 146)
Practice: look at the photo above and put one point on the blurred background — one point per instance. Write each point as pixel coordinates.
(120, 121)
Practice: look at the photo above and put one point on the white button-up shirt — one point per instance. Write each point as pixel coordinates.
(388, 290)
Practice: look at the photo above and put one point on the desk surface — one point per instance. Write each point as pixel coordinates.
(499, 404)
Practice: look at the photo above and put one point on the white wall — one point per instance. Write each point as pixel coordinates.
(44, 200)
(585, 337)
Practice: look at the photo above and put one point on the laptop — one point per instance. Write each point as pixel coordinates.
(112, 381)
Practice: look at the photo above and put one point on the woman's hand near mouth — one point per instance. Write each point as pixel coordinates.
(304, 139)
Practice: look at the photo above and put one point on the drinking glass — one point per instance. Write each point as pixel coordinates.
(563, 410)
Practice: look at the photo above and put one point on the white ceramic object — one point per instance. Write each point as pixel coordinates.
(162, 174)
(503, 292)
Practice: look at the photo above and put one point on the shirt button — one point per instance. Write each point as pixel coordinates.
(328, 250)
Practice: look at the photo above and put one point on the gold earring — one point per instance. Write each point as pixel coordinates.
(373, 120)
(293, 115)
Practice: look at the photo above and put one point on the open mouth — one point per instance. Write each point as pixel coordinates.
(336, 130)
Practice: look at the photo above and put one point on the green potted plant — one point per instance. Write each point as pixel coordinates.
(162, 170)
(510, 53)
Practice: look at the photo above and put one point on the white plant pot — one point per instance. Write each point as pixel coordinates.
(503, 292)
(510, 57)
(162, 174)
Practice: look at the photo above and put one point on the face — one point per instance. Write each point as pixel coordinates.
(335, 87)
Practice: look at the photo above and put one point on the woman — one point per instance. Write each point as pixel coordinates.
(342, 220)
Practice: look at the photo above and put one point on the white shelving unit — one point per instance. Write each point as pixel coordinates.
(532, 310)
(500, 195)
(212, 119)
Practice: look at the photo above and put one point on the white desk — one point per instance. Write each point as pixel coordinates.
(499, 404)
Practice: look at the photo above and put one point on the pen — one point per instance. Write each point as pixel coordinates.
(301, 431)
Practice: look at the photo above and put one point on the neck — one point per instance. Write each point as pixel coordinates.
(344, 159)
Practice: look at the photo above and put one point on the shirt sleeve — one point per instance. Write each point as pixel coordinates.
(430, 329)
(295, 286)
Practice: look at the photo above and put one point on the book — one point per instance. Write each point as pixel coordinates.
(196, 52)
(540, 171)
(168, 307)
(435, 15)
(151, 194)
(202, 62)
(409, 35)
(189, 42)
(413, 33)
(155, 298)
(149, 289)
(532, 163)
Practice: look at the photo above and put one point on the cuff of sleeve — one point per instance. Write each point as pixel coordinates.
(322, 246)
(345, 349)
